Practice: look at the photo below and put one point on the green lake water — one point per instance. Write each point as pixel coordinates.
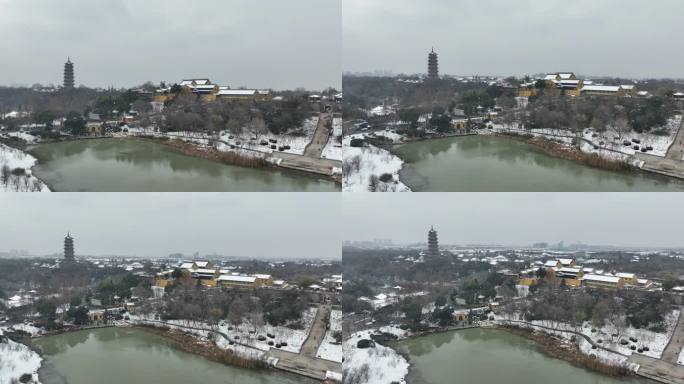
(132, 356)
(130, 165)
(496, 164)
(486, 356)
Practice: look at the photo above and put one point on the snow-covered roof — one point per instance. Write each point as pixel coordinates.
(565, 261)
(186, 266)
(201, 264)
(236, 92)
(602, 278)
(566, 76)
(196, 81)
(601, 88)
(262, 276)
(203, 270)
(625, 275)
(550, 263)
(238, 279)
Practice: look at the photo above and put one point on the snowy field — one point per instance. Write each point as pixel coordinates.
(362, 163)
(245, 335)
(24, 136)
(655, 341)
(15, 158)
(329, 349)
(395, 137)
(610, 141)
(378, 365)
(15, 360)
(297, 142)
(333, 149)
(249, 142)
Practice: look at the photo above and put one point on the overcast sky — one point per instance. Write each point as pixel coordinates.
(620, 219)
(630, 38)
(255, 43)
(253, 225)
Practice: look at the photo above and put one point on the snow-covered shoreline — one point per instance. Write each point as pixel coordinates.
(376, 365)
(15, 158)
(363, 163)
(17, 359)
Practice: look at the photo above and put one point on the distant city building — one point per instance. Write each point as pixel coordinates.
(433, 244)
(68, 74)
(69, 248)
(433, 66)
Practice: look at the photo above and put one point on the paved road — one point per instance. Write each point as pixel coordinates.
(307, 164)
(658, 370)
(662, 165)
(670, 165)
(303, 365)
(320, 139)
(671, 352)
(676, 151)
(318, 328)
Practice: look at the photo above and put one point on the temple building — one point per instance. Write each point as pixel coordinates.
(433, 66)
(433, 244)
(69, 248)
(68, 74)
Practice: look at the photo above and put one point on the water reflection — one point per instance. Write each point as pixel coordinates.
(488, 163)
(116, 355)
(136, 165)
(490, 356)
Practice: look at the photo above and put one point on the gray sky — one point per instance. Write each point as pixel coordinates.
(621, 219)
(263, 44)
(629, 38)
(254, 225)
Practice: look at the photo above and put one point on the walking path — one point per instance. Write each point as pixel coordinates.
(320, 138)
(658, 370)
(671, 352)
(317, 332)
(670, 165)
(676, 150)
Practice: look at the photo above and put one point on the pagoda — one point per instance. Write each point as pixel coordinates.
(68, 74)
(69, 248)
(433, 244)
(433, 66)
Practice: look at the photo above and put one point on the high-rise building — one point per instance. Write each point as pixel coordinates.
(69, 248)
(68, 74)
(433, 66)
(433, 244)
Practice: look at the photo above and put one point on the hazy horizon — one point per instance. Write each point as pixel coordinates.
(612, 38)
(245, 225)
(124, 43)
(629, 220)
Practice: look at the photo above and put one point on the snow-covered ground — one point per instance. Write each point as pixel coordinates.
(333, 149)
(297, 142)
(377, 365)
(15, 158)
(246, 335)
(680, 359)
(655, 341)
(362, 163)
(329, 349)
(25, 136)
(395, 137)
(609, 142)
(249, 142)
(15, 360)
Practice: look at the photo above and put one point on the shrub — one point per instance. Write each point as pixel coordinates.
(386, 177)
(356, 143)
